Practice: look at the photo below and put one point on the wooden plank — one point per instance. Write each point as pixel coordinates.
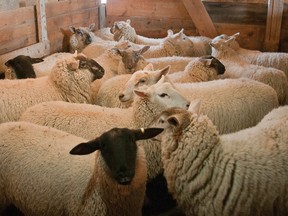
(16, 17)
(251, 36)
(273, 25)
(237, 13)
(147, 8)
(41, 20)
(200, 18)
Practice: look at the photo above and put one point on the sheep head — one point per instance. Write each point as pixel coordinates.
(90, 64)
(119, 150)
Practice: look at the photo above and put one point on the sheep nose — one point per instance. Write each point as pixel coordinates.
(121, 96)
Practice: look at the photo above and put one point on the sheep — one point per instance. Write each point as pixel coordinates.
(69, 81)
(199, 69)
(38, 66)
(131, 59)
(246, 101)
(109, 60)
(177, 44)
(2, 75)
(40, 177)
(104, 33)
(123, 30)
(107, 95)
(241, 173)
(237, 67)
(267, 59)
(20, 67)
(85, 119)
(46, 66)
(81, 37)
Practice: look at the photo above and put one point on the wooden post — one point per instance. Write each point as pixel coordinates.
(102, 16)
(200, 18)
(41, 20)
(273, 25)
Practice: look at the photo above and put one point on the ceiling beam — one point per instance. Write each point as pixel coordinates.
(273, 25)
(200, 18)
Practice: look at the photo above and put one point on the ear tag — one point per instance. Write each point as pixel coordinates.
(142, 130)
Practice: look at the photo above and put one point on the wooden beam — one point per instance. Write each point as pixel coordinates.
(102, 16)
(200, 17)
(41, 20)
(273, 25)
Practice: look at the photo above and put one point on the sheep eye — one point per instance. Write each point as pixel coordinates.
(79, 32)
(142, 81)
(163, 95)
(161, 121)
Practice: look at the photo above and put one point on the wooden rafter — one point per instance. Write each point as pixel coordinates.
(200, 18)
(273, 25)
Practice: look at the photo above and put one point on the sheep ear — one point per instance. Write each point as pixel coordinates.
(165, 70)
(162, 80)
(143, 50)
(86, 148)
(194, 106)
(128, 21)
(174, 121)
(149, 67)
(117, 51)
(36, 60)
(170, 33)
(147, 133)
(236, 35)
(72, 29)
(91, 26)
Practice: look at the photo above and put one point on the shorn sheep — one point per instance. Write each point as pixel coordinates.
(39, 176)
(177, 44)
(122, 30)
(237, 67)
(69, 81)
(199, 69)
(277, 60)
(21, 67)
(242, 173)
(232, 104)
(86, 120)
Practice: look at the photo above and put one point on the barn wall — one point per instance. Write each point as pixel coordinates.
(19, 27)
(154, 18)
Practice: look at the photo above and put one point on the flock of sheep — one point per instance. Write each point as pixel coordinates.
(208, 115)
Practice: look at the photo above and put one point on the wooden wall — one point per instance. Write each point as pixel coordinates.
(19, 27)
(154, 18)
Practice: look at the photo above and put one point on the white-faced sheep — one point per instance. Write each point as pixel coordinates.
(242, 173)
(70, 81)
(21, 67)
(40, 177)
(87, 120)
(177, 44)
(277, 60)
(249, 100)
(123, 30)
(199, 69)
(237, 67)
